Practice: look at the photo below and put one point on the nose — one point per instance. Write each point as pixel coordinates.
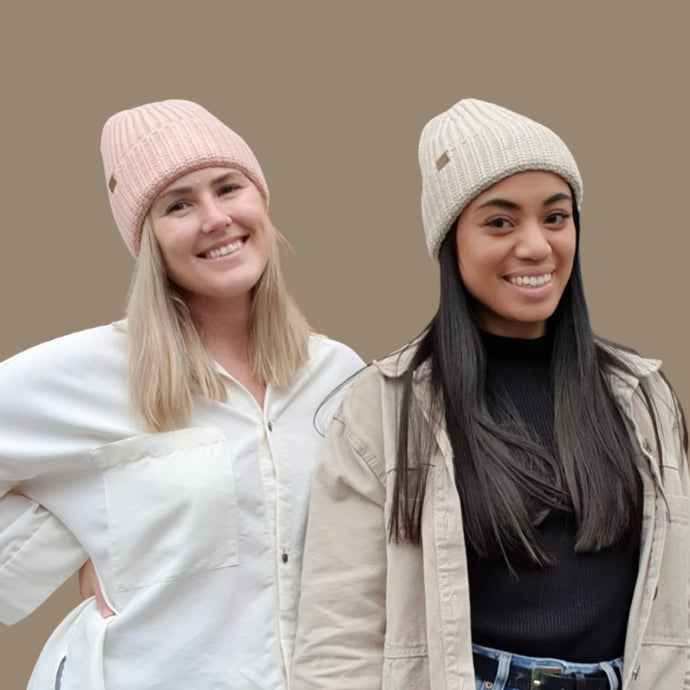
(213, 216)
(533, 243)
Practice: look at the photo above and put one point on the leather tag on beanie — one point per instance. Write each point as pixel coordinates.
(112, 183)
(442, 162)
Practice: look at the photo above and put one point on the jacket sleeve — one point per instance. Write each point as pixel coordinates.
(679, 435)
(682, 440)
(341, 627)
(37, 554)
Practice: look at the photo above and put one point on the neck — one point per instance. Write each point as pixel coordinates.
(224, 329)
(223, 326)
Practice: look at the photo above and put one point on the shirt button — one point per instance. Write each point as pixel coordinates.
(284, 558)
(636, 672)
(646, 445)
(270, 426)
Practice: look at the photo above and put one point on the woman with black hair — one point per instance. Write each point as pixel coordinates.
(504, 503)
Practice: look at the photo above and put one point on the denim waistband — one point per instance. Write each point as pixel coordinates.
(506, 660)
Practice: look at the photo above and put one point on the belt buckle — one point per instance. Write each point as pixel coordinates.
(538, 673)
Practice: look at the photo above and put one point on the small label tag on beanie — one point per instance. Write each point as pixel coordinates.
(442, 162)
(112, 184)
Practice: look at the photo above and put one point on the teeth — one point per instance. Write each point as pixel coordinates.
(531, 281)
(222, 251)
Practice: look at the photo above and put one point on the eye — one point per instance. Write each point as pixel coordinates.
(228, 189)
(499, 223)
(556, 218)
(176, 206)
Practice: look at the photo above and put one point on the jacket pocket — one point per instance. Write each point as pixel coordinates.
(668, 622)
(405, 668)
(171, 505)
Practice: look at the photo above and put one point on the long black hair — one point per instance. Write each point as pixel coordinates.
(508, 482)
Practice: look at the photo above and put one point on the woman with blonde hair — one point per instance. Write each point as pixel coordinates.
(504, 503)
(173, 449)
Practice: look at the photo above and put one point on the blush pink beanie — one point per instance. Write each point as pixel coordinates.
(145, 148)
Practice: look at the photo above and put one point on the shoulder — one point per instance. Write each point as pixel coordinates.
(395, 364)
(629, 360)
(626, 370)
(78, 353)
(373, 398)
(368, 418)
(640, 384)
(323, 350)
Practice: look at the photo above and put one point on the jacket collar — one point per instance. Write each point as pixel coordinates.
(395, 364)
(623, 383)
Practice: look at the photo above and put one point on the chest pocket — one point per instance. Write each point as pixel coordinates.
(171, 505)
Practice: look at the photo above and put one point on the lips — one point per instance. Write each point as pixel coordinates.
(225, 249)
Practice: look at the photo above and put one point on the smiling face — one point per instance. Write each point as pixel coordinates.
(516, 245)
(214, 234)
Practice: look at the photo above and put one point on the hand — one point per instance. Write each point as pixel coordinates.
(90, 586)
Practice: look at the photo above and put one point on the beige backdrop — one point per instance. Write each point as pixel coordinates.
(332, 96)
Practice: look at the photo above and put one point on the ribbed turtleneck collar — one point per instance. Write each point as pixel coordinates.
(518, 351)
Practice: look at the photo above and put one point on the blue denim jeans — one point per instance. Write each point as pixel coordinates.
(505, 659)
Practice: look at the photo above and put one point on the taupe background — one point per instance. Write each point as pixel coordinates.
(332, 96)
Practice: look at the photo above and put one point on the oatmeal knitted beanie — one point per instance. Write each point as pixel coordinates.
(473, 145)
(145, 148)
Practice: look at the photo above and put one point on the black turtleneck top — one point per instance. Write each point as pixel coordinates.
(577, 608)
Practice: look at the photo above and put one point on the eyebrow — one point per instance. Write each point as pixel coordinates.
(561, 196)
(186, 190)
(502, 203)
(505, 203)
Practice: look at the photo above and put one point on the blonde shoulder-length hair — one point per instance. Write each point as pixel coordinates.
(168, 363)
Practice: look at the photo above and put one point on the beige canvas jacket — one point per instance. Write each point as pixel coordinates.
(375, 614)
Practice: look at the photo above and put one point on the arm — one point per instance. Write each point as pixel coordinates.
(682, 440)
(37, 551)
(89, 586)
(341, 628)
(678, 440)
(37, 554)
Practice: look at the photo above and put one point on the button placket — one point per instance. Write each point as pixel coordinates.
(280, 528)
(282, 548)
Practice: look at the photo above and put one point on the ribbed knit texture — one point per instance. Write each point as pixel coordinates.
(145, 148)
(473, 145)
(578, 608)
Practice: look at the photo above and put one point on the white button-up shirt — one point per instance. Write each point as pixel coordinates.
(196, 534)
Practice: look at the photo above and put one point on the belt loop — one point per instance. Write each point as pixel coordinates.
(503, 670)
(580, 682)
(611, 674)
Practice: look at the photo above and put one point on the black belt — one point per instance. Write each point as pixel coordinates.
(539, 677)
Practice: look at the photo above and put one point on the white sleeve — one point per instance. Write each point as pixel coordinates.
(37, 551)
(37, 554)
